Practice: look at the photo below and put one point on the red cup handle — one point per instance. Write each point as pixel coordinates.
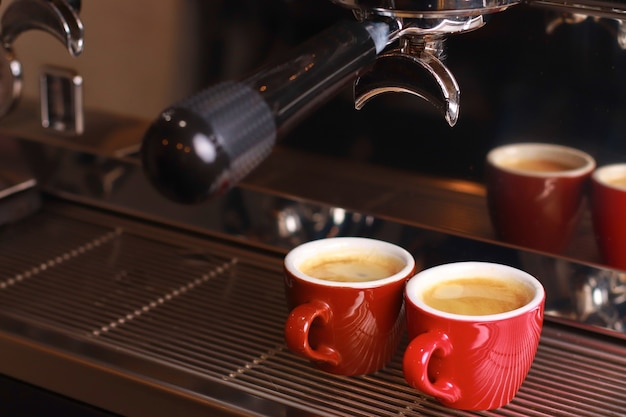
(415, 366)
(297, 330)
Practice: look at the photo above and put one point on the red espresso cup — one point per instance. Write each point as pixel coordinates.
(535, 193)
(608, 211)
(345, 297)
(474, 329)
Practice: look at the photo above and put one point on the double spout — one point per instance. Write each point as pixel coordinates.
(416, 58)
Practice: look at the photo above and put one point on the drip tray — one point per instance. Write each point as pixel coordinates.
(140, 320)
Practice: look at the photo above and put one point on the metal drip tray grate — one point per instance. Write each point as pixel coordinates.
(211, 315)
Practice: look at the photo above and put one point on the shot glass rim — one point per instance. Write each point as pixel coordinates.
(462, 269)
(586, 168)
(292, 257)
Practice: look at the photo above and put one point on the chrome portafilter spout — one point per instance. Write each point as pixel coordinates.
(204, 145)
(408, 66)
(418, 56)
(58, 18)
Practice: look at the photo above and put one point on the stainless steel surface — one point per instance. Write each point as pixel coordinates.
(105, 134)
(142, 320)
(417, 9)
(19, 195)
(422, 9)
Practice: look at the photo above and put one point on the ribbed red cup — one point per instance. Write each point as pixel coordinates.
(345, 328)
(471, 362)
(537, 208)
(608, 207)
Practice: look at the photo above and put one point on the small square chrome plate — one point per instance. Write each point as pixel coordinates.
(61, 98)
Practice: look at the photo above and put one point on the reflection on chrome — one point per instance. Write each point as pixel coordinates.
(582, 294)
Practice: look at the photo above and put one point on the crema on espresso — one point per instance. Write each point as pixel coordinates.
(477, 296)
(351, 267)
(537, 164)
(617, 182)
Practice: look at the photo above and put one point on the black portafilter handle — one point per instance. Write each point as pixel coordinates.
(204, 145)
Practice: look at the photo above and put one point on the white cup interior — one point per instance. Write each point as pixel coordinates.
(314, 248)
(608, 173)
(581, 162)
(453, 271)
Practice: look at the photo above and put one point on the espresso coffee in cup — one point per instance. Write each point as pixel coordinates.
(474, 329)
(619, 182)
(538, 164)
(477, 296)
(608, 205)
(356, 267)
(345, 296)
(535, 193)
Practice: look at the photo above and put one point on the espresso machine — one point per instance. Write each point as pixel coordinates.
(158, 161)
